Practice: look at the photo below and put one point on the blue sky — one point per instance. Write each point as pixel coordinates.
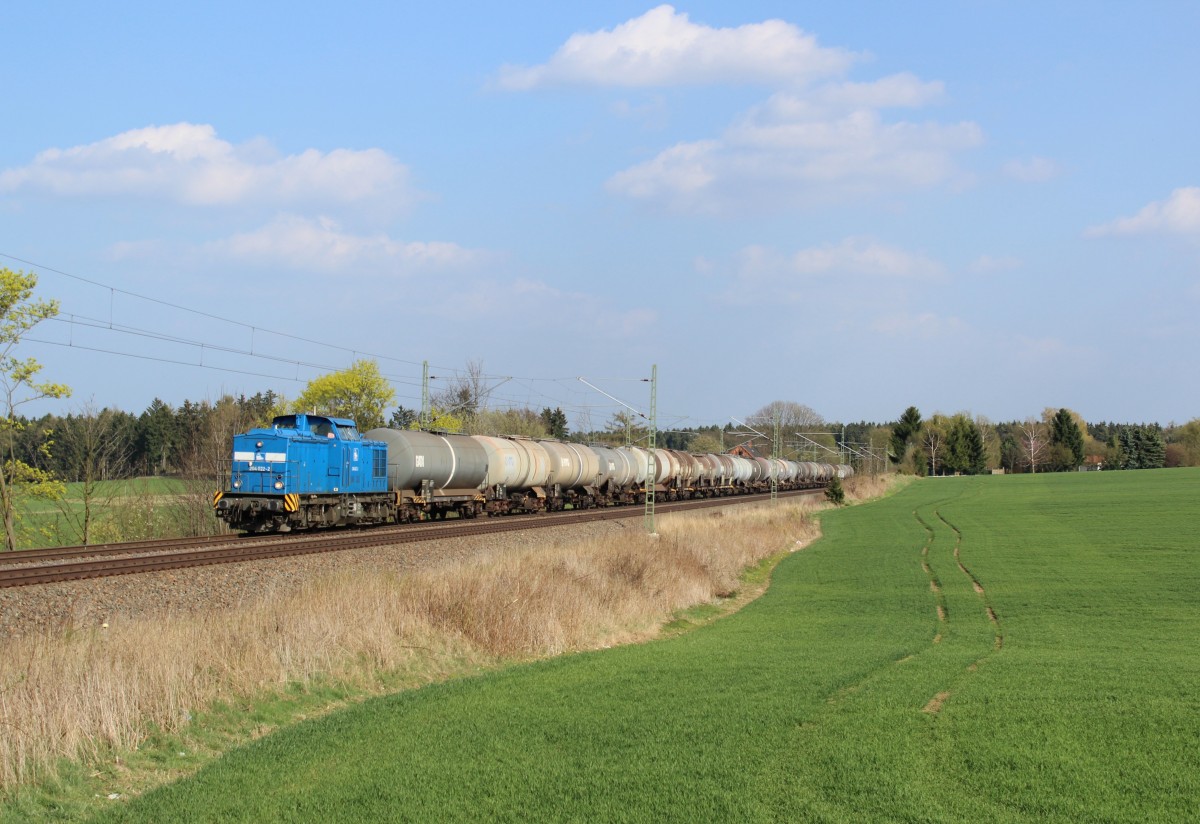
(991, 207)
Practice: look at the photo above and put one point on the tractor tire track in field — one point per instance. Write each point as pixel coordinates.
(942, 611)
(993, 618)
(935, 704)
(935, 585)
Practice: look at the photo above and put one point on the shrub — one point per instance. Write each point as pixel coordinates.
(834, 492)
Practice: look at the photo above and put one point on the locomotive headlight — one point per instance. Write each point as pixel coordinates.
(237, 484)
(258, 445)
(279, 484)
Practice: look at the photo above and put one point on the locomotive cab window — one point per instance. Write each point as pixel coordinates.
(348, 433)
(322, 429)
(284, 422)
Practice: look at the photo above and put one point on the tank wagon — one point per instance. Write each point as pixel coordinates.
(311, 471)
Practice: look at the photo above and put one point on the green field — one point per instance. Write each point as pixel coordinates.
(971, 649)
(123, 510)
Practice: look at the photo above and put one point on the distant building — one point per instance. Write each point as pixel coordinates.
(1092, 463)
(744, 450)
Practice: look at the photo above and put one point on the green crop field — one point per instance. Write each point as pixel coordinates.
(129, 509)
(970, 649)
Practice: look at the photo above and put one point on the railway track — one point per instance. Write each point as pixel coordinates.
(30, 567)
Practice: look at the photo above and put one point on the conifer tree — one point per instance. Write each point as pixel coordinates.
(1064, 432)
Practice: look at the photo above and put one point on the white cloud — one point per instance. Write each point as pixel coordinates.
(797, 275)
(1032, 170)
(321, 245)
(803, 150)
(925, 325)
(819, 138)
(188, 163)
(1178, 214)
(903, 90)
(986, 264)
(664, 48)
(863, 256)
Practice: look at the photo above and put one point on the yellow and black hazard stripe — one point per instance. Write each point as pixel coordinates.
(291, 502)
(217, 496)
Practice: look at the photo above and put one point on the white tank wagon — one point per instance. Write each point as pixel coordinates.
(618, 480)
(518, 473)
(574, 469)
(762, 470)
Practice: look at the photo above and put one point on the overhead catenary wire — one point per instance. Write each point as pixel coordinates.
(255, 329)
(564, 394)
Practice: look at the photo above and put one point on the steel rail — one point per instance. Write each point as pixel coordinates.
(284, 546)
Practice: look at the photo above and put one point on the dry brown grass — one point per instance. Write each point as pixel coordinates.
(80, 695)
(862, 488)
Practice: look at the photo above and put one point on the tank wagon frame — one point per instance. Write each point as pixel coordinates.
(310, 471)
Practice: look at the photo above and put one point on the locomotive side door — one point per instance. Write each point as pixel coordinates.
(352, 477)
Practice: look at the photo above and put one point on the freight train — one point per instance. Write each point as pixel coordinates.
(309, 471)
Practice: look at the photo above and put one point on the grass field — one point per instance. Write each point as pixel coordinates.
(970, 649)
(128, 509)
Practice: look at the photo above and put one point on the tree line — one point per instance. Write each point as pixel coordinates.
(1059, 441)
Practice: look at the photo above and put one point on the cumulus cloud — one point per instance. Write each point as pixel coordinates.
(664, 47)
(321, 245)
(795, 274)
(807, 149)
(187, 163)
(801, 163)
(1032, 170)
(820, 137)
(1178, 214)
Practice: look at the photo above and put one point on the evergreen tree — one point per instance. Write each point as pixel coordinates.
(954, 456)
(556, 422)
(976, 451)
(158, 436)
(1153, 450)
(903, 432)
(404, 418)
(1065, 433)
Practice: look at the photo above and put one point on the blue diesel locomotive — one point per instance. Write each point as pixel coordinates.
(305, 471)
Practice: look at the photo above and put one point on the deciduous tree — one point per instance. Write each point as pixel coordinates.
(933, 440)
(359, 393)
(1033, 440)
(19, 384)
(95, 450)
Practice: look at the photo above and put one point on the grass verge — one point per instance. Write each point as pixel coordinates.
(93, 714)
